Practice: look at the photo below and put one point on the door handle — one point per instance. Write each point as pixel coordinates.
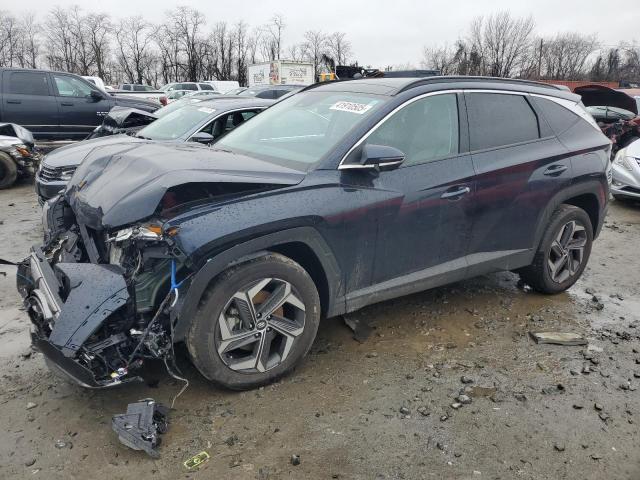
(455, 192)
(554, 170)
(66, 104)
(16, 102)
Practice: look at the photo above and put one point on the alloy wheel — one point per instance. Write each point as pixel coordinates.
(567, 251)
(259, 326)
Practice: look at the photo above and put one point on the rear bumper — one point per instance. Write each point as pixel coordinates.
(61, 328)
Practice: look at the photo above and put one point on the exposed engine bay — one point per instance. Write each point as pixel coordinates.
(101, 299)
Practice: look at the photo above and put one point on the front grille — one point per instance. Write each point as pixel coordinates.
(50, 174)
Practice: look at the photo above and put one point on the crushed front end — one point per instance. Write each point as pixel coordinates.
(99, 301)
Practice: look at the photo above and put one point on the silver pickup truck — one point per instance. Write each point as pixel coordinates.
(131, 90)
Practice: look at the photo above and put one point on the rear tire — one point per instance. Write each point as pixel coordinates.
(255, 323)
(8, 171)
(563, 252)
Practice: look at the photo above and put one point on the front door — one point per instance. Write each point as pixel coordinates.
(423, 232)
(80, 113)
(28, 100)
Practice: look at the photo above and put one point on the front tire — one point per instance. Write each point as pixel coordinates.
(255, 323)
(563, 252)
(8, 171)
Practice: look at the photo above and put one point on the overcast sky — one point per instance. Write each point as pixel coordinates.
(389, 32)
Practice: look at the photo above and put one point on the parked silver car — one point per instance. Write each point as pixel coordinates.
(626, 173)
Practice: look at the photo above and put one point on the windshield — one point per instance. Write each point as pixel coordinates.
(176, 124)
(299, 131)
(249, 92)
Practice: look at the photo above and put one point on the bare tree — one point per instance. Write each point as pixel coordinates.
(339, 47)
(442, 59)
(30, 41)
(85, 58)
(133, 37)
(99, 31)
(502, 41)
(315, 46)
(9, 39)
(272, 40)
(187, 24)
(295, 52)
(242, 49)
(565, 56)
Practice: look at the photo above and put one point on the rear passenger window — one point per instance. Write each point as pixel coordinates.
(28, 83)
(497, 119)
(205, 86)
(559, 117)
(424, 130)
(189, 86)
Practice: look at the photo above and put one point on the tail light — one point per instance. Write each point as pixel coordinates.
(163, 100)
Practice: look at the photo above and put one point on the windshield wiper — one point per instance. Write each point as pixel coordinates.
(142, 137)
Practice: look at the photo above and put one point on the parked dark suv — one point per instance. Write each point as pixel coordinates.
(56, 105)
(343, 195)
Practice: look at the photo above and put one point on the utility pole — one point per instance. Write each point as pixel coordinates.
(540, 59)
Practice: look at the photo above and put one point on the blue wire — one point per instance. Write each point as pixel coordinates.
(174, 283)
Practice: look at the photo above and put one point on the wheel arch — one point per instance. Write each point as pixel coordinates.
(304, 245)
(591, 196)
(589, 203)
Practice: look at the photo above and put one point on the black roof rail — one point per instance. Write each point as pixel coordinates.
(461, 78)
(319, 84)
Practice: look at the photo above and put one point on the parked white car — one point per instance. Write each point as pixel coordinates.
(223, 86)
(626, 173)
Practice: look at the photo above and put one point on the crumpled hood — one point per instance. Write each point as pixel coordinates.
(121, 184)
(598, 95)
(72, 155)
(18, 132)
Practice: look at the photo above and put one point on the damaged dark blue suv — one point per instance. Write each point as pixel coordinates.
(343, 195)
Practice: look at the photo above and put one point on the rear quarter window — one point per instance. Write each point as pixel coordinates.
(497, 119)
(560, 119)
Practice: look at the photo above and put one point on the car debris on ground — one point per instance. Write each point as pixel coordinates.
(559, 338)
(140, 428)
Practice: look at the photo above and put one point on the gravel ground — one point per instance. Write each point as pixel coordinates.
(384, 408)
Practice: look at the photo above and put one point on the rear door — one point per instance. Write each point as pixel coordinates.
(28, 100)
(423, 234)
(520, 165)
(80, 113)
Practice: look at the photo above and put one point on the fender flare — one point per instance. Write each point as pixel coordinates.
(591, 187)
(184, 311)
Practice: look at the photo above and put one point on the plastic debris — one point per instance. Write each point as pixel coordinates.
(141, 426)
(559, 338)
(197, 460)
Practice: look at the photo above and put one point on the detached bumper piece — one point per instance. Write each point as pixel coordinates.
(64, 324)
(140, 428)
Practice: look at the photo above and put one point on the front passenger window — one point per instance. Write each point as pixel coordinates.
(71, 87)
(424, 130)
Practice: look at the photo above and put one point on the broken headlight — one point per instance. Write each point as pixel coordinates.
(625, 161)
(20, 151)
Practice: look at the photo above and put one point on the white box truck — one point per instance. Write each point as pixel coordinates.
(280, 72)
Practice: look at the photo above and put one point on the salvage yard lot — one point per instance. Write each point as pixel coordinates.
(376, 409)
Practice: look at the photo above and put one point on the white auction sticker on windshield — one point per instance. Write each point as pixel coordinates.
(206, 110)
(352, 107)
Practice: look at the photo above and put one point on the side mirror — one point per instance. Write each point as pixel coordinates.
(202, 137)
(96, 95)
(371, 156)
